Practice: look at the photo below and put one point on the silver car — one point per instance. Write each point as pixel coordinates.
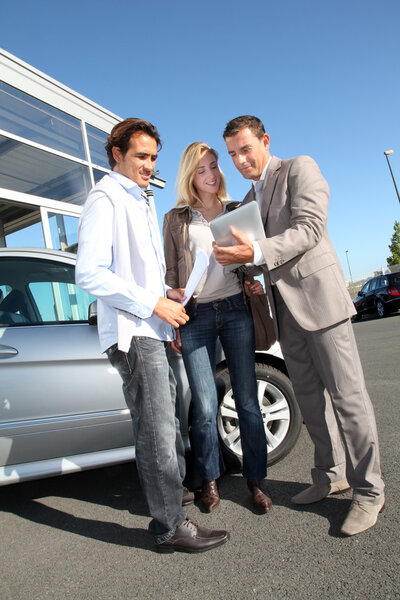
(61, 403)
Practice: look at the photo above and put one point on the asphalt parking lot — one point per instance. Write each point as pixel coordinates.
(84, 535)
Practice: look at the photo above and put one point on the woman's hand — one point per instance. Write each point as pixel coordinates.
(177, 294)
(176, 344)
(254, 287)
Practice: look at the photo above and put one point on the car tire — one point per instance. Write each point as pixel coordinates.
(357, 317)
(380, 309)
(276, 398)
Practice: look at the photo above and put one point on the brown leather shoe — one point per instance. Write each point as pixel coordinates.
(187, 496)
(190, 537)
(261, 500)
(210, 495)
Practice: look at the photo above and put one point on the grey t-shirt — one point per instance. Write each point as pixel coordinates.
(215, 284)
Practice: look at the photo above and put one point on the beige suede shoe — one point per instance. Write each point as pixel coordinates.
(319, 491)
(361, 516)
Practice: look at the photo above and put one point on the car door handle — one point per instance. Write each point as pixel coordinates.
(7, 351)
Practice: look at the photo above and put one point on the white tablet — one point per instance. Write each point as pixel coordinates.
(246, 218)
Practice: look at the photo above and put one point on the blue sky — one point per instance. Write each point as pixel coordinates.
(323, 75)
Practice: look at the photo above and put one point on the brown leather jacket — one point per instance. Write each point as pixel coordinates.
(178, 258)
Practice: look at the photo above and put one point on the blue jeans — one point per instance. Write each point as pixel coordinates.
(149, 388)
(231, 321)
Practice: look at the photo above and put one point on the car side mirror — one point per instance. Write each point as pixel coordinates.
(92, 313)
(360, 293)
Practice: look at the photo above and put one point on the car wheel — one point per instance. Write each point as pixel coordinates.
(380, 309)
(357, 317)
(281, 415)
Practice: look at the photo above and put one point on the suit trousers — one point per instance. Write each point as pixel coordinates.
(329, 385)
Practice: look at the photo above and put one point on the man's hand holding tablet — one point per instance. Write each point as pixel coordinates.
(242, 252)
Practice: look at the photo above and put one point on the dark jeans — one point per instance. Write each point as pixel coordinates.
(231, 321)
(149, 388)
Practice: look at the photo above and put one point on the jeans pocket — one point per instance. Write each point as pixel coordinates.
(237, 302)
(110, 351)
(120, 361)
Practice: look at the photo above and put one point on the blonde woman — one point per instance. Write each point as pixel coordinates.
(216, 310)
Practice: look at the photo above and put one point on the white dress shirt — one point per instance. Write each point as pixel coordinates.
(121, 262)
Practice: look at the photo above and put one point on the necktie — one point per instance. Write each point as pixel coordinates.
(258, 186)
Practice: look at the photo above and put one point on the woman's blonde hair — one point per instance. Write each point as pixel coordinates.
(185, 189)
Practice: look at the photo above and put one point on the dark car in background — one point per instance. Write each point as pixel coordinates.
(61, 403)
(380, 296)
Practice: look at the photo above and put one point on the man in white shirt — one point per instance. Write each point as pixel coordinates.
(121, 262)
(312, 315)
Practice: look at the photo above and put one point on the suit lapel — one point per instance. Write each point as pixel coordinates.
(269, 186)
(250, 196)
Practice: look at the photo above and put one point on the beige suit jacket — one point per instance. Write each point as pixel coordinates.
(299, 255)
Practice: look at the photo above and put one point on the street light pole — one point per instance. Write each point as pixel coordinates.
(386, 153)
(348, 264)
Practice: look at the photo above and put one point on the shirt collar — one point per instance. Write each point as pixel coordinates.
(262, 176)
(130, 186)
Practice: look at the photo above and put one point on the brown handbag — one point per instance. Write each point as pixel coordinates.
(264, 330)
(263, 324)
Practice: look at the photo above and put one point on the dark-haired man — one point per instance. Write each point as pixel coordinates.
(312, 313)
(121, 262)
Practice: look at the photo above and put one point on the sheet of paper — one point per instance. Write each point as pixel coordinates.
(199, 268)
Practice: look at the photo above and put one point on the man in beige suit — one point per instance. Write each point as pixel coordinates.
(312, 313)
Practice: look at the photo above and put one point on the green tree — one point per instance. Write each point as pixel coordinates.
(394, 247)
